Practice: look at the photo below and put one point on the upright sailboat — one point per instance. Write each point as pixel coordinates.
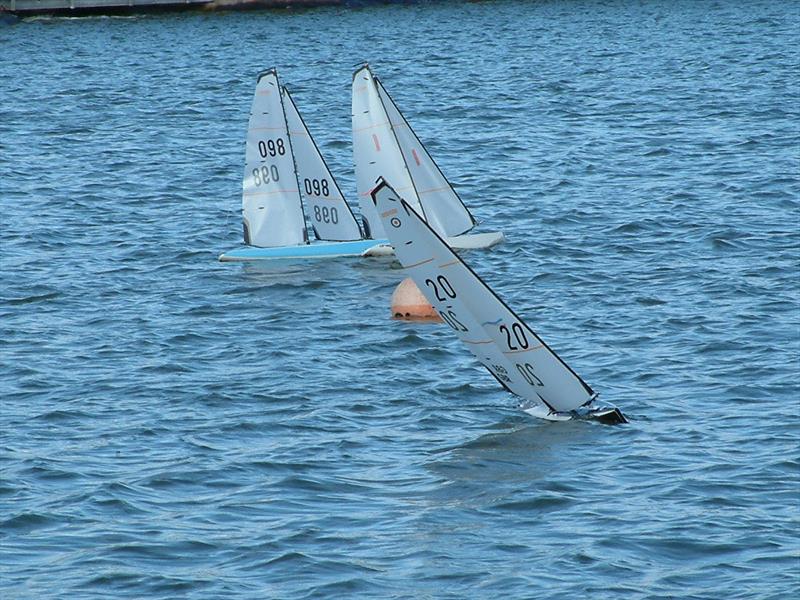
(384, 145)
(285, 171)
(517, 357)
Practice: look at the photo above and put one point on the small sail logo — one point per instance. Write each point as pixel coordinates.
(394, 222)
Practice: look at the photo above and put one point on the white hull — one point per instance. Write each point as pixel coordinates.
(469, 241)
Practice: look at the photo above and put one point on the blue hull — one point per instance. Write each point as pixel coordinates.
(318, 250)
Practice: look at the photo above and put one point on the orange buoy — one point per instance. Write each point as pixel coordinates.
(408, 303)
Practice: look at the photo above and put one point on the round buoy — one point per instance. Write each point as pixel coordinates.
(409, 303)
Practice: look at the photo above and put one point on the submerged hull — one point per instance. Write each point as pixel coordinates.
(606, 414)
(357, 248)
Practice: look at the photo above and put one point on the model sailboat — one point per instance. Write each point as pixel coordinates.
(384, 145)
(511, 351)
(284, 170)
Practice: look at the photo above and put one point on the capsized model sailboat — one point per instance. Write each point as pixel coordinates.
(283, 170)
(511, 351)
(384, 145)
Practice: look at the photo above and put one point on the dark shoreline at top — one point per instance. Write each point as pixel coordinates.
(28, 8)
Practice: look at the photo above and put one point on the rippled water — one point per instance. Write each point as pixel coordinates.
(176, 427)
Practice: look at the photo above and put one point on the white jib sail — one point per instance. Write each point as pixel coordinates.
(375, 151)
(497, 337)
(328, 211)
(271, 204)
(444, 210)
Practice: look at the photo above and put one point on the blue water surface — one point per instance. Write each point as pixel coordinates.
(173, 427)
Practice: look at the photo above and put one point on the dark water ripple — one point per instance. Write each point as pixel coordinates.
(174, 427)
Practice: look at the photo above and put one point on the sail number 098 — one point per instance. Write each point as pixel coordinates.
(326, 215)
(316, 187)
(264, 175)
(271, 148)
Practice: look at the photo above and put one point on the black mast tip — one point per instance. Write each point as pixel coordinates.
(265, 72)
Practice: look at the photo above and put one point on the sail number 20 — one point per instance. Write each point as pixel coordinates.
(526, 370)
(447, 289)
(443, 290)
(519, 337)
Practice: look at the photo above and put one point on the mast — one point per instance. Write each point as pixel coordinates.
(294, 162)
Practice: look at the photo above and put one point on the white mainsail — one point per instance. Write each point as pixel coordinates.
(328, 211)
(271, 204)
(498, 338)
(375, 151)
